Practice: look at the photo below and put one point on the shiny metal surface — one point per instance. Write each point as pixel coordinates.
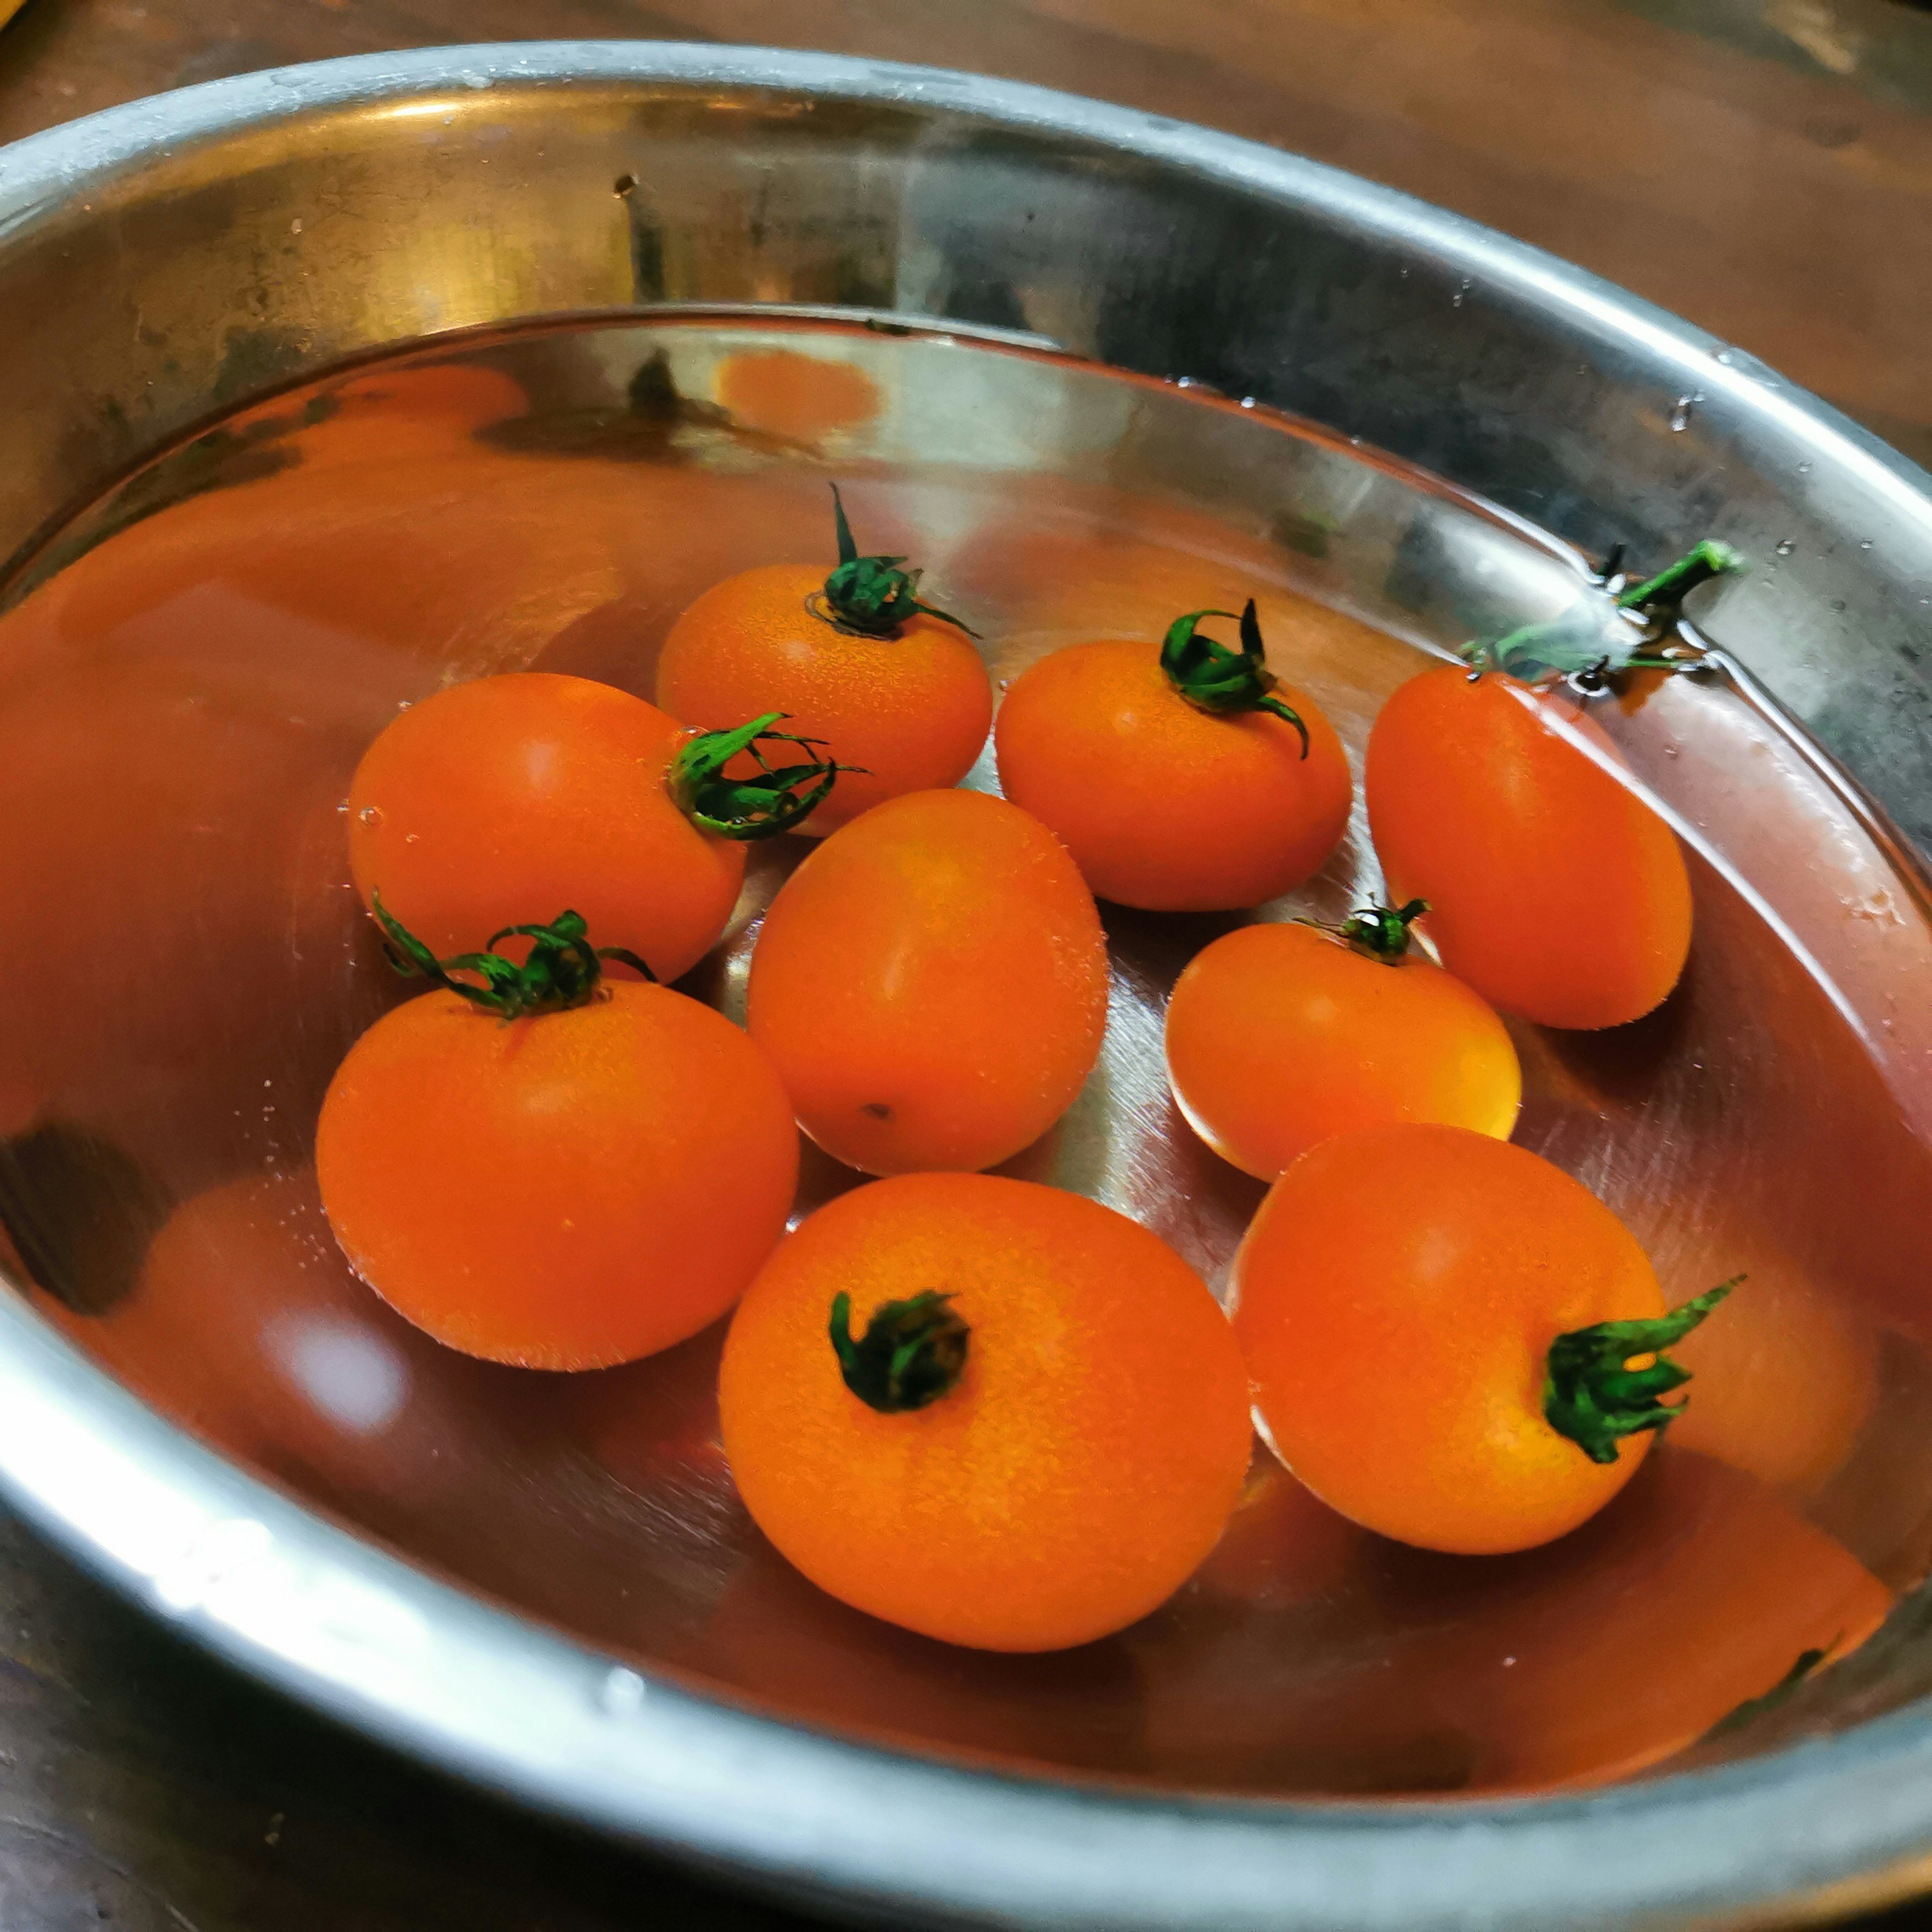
(169, 261)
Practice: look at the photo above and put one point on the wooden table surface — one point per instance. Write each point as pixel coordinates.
(1762, 167)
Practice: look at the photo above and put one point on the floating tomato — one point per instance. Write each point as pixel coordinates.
(1184, 779)
(1281, 1036)
(931, 983)
(1439, 1326)
(1026, 1426)
(1554, 889)
(522, 792)
(855, 657)
(576, 1175)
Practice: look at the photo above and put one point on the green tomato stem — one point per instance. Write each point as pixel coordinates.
(774, 799)
(913, 1352)
(1214, 678)
(563, 969)
(1381, 932)
(871, 596)
(1579, 642)
(1590, 1393)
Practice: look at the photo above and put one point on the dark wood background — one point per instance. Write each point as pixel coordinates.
(1762, 166)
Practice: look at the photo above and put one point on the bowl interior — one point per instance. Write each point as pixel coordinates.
(190, 668)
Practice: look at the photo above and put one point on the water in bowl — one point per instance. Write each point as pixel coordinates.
(189, 670)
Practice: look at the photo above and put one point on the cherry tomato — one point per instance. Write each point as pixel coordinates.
(1184, 779)
(1553, 890)
(931, 983)
(855, 659)
(555, 1185)
(1280, 1035)
(1028, 1423)
(533, 791)
(1423, 1309)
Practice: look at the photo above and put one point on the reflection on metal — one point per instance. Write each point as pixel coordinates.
(166, 266)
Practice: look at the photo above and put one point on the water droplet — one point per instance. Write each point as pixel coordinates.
(411, 837)
(1670, 751)
(344, 806)
(621, 1692)
(295, 226)
(1838, 603)
(1786, 546)
(404, 703)
(1805, 469)
(1725, 356)
(1680, 416)
(371, 815)
(1463, 289)
(1248, 403)
(1866, 544)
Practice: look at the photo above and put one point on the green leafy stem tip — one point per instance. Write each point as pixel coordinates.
(1579, 643)
(1592, 1395)
(871, 596)
(911, 1353)
(563, 969)
(1381, 932)
(761, 804)
(1214, 678)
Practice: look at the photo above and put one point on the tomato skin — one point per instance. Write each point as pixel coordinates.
(1163, 805)
(1396, 1299)
(913, 710)
(1081, 1467)
(568, 1190)
(1553, 890)
(931, 983)
(507, 799)
(1281, 1035)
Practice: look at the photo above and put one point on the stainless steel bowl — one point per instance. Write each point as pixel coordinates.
(176, 259)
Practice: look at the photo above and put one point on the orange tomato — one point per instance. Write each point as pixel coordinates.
(1169, 802)
(1399, 1298)
(931, 983)
(1281, 1036)
(854, 659)
(516, 794)
(1055, 1422)
(562, 1189)
(1553, 890)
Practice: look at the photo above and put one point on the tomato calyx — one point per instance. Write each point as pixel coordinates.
(912, 1353)
(1213, 679)
(761, 805)
(1380, 932)
(871, 596)
(1591, 642)
(563, 969)
(1591, 1393)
